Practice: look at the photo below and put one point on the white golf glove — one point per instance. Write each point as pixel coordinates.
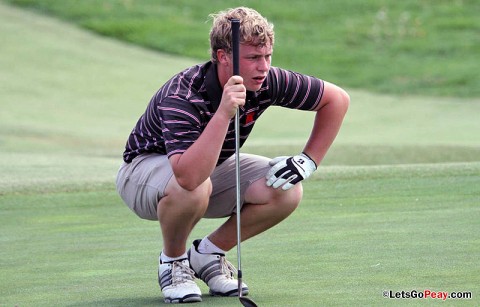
(287, 171)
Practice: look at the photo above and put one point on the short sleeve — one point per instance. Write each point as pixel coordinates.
(294, 90)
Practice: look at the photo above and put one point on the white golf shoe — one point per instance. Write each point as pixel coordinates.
(176, 280)
(215, 271)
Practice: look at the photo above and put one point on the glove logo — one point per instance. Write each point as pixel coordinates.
(288, 171)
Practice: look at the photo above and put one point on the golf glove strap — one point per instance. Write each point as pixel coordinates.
(287, 171)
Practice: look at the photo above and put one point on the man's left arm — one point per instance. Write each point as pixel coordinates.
(329, 118)
(287, 171)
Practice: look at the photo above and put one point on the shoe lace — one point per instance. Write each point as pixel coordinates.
(227, 268)
(181, 273)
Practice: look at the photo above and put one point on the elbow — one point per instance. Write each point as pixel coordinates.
(335, 98)
(343, 101)
(187, 183)
(199, 192)
(191, 184)
(187, 179)
(184, 178)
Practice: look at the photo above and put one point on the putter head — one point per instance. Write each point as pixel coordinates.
(247, 302)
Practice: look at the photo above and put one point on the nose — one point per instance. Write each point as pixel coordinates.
(263, 64)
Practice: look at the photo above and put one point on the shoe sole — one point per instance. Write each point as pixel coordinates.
(191, 298)
(229, 293)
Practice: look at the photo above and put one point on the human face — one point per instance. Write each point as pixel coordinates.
(254, 63)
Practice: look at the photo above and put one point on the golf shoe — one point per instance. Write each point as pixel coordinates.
(176, 280)
(215, 271)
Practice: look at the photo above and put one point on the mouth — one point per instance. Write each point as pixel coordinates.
(259, 79)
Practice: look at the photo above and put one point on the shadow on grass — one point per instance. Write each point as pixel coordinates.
(130, 301)
(207, 300)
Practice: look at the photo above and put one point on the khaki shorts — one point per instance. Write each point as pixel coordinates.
(142, 183)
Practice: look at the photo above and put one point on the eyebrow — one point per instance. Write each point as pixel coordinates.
(256, 53)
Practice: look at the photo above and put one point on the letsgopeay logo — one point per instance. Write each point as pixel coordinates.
(426, 294)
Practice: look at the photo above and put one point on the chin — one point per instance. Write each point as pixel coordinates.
(254, 88)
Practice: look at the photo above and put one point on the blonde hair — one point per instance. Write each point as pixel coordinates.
(254, 30)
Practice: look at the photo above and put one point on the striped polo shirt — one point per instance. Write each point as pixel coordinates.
(181, 109)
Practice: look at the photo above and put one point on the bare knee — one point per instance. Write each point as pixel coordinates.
(290, 199)
(286, 201)
(196, 200)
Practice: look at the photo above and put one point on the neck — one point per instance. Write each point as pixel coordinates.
(223, 74)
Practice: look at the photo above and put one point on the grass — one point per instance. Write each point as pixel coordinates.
(369, 229)
(394, 207)
(401, 47)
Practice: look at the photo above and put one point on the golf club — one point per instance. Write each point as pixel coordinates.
(235, 25)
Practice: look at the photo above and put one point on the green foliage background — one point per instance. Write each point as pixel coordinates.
(422, 47)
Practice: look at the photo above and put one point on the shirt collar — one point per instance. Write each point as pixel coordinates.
(212, 85)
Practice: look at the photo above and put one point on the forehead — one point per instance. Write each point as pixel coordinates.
(260, 49)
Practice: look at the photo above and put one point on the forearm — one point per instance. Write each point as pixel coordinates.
(196, 164)
(327, 124)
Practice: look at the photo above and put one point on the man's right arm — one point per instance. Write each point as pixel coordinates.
(197, 163)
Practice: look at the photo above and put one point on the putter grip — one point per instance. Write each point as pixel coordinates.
(235, 23)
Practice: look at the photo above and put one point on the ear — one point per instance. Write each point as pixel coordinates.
(223, 57)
